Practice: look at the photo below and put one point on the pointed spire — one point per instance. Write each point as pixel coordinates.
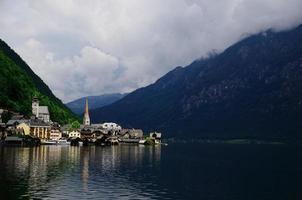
(86, 107)
(86, 119)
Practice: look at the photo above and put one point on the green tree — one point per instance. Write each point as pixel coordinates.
(75, 125)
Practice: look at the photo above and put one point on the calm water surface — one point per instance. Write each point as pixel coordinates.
(178, 171)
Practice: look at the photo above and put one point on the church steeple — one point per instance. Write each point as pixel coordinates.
(86, 119)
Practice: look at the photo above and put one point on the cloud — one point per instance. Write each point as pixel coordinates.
(91, 47)
(88, 72)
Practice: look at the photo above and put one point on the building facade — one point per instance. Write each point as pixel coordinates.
(23, 128)
(110, 126)
(40, 129)
(55, 132)
(74, 134)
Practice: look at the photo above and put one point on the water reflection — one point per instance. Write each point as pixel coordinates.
(178, 171)
(59, 171)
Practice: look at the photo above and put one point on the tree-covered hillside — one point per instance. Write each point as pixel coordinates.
(18, 84)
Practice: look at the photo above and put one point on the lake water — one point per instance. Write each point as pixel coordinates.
(177, 171)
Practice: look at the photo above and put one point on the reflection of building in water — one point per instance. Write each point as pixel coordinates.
(85, 169)
(49, 168)
(41, 165)
(131, 155)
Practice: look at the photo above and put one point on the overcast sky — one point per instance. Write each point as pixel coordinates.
(91, 47)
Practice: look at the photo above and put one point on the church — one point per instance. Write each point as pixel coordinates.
(90, 131)
(41, 112)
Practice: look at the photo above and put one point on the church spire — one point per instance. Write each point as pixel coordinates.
(86, 119)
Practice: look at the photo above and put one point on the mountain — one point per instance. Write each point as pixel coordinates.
(18, 84)
(77, 106)
(252, 89)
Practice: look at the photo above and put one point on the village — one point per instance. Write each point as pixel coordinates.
(38, 129)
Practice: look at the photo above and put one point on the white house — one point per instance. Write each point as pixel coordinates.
(74, 134)
(110, 126)
(156, 136)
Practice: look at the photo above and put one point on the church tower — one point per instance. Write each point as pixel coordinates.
(86, 119)
(35, 106)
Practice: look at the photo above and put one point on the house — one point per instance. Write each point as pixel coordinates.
(110, 126)
(65, 130)
(23, 128)
(39, 129)
(131, 133)
(87, 134)
(55, 132)
(41, 112)
(156, 136)
(74, 134)
(11, 125)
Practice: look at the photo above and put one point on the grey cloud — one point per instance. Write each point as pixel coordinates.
(91, 47)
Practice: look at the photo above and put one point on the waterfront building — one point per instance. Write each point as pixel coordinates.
(74, 134)
(39, 129)
(55, 133)
(156, 136)
(131, 133)
(88, 134)
(110, 126)
(86, 119)
(12, 124)
(23, 128)
(65, 130)
(41, 112)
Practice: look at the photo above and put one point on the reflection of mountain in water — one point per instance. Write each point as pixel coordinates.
(92, 172)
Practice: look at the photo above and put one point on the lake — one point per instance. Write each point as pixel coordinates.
(177, 171)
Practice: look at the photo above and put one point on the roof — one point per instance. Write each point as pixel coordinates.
(75, 131)
(131, 131)
(43, 110)
(14, 121)
(17, 117)
(65, 127)
(38, 122)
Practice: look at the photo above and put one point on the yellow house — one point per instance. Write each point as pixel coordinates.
(23, 128)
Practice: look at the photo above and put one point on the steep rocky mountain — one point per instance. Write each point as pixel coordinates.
(18, 84)
(252, 89)
(77, 106)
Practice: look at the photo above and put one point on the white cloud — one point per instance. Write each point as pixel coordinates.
(89, 72)
(91, 47)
